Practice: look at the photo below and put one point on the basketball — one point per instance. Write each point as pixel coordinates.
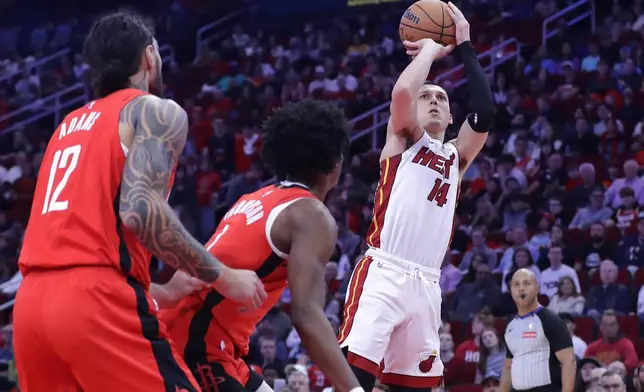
(428, 19)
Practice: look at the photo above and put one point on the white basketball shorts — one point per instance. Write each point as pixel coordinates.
(391, 319)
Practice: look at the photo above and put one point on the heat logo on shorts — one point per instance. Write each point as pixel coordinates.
(426, 361)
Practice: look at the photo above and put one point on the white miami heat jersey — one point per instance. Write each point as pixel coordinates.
(415, 202)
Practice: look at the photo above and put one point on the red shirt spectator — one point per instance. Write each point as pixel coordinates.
(318, 380)
(611, 347)
(247, 146)
(208, 182)
(467, 353)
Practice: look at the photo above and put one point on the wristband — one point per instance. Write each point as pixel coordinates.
(357, 389)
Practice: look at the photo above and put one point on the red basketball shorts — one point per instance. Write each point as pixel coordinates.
(92, 329)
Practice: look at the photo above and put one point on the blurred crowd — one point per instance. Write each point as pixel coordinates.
(558, 187)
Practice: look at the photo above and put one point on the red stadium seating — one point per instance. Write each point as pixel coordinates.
(466, 388)
(638, 281)
(630, 326)
(585, 328)
(499, 324)
(639, 346)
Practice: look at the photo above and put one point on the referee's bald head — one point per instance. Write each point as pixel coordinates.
(524, 273)
(524, 287)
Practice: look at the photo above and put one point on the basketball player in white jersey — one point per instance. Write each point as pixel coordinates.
(393, 306)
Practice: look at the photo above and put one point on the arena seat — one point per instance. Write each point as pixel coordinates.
(573, 236)
(585, 328)
(639, 347)
(499, 324)
(630, 326)
(543, 299)
(458, 331)
(638, 280)
(584, 281)
(466, 388)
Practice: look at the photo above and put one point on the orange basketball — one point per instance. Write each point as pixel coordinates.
(428, 19)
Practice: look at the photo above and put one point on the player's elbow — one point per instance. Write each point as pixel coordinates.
(402, 94)
(133, 216)
(482, 120)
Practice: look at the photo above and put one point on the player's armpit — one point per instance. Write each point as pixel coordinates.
(313, 236)
(568, 362)
(506, 378)
(160, 131)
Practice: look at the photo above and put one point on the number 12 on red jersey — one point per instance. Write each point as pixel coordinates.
(439, 192)
(63, 159)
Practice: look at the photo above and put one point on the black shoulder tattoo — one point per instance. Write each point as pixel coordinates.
(160, 131)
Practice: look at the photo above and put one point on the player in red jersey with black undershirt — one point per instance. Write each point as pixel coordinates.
(85, 318)
(286, 234)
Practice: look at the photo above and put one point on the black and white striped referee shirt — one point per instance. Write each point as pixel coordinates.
(532, 341)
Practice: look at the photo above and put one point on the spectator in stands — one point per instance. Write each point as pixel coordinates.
(630, 252)
(268, 351)
(595, 212)
(611, 381)
(551, 180)
(629, 212)
(506, 169)
(520, 240)
(521, 259)
(597, 249)
(485, 215)
(611, 346)
(542, 238)
(596, 377)
(618, 367)
(467, 354)
(640, 304)
(578, 344)
(247, 146)
(609, 295)
(471, 298)
(450, 276)
(579, 195)
(584, 141)
(492, 354)
(348, 240)
(516, 213)
(631, 180)
(451, 372)
(247, 182)
(551, 276)
(638, 378)
(584, 375)
(479, 245)
(491, 382)
(298, 379)
(567, 300)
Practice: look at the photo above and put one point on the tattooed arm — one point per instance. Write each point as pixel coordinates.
(160, 130)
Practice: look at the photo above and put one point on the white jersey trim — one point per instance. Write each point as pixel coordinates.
(272, 216)
(125, 149)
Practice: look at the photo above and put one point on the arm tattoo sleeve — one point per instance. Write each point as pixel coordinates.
(160, 133)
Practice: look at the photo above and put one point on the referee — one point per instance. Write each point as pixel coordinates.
(540, 357)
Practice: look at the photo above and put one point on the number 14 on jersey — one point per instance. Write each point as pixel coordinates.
(439, 192)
